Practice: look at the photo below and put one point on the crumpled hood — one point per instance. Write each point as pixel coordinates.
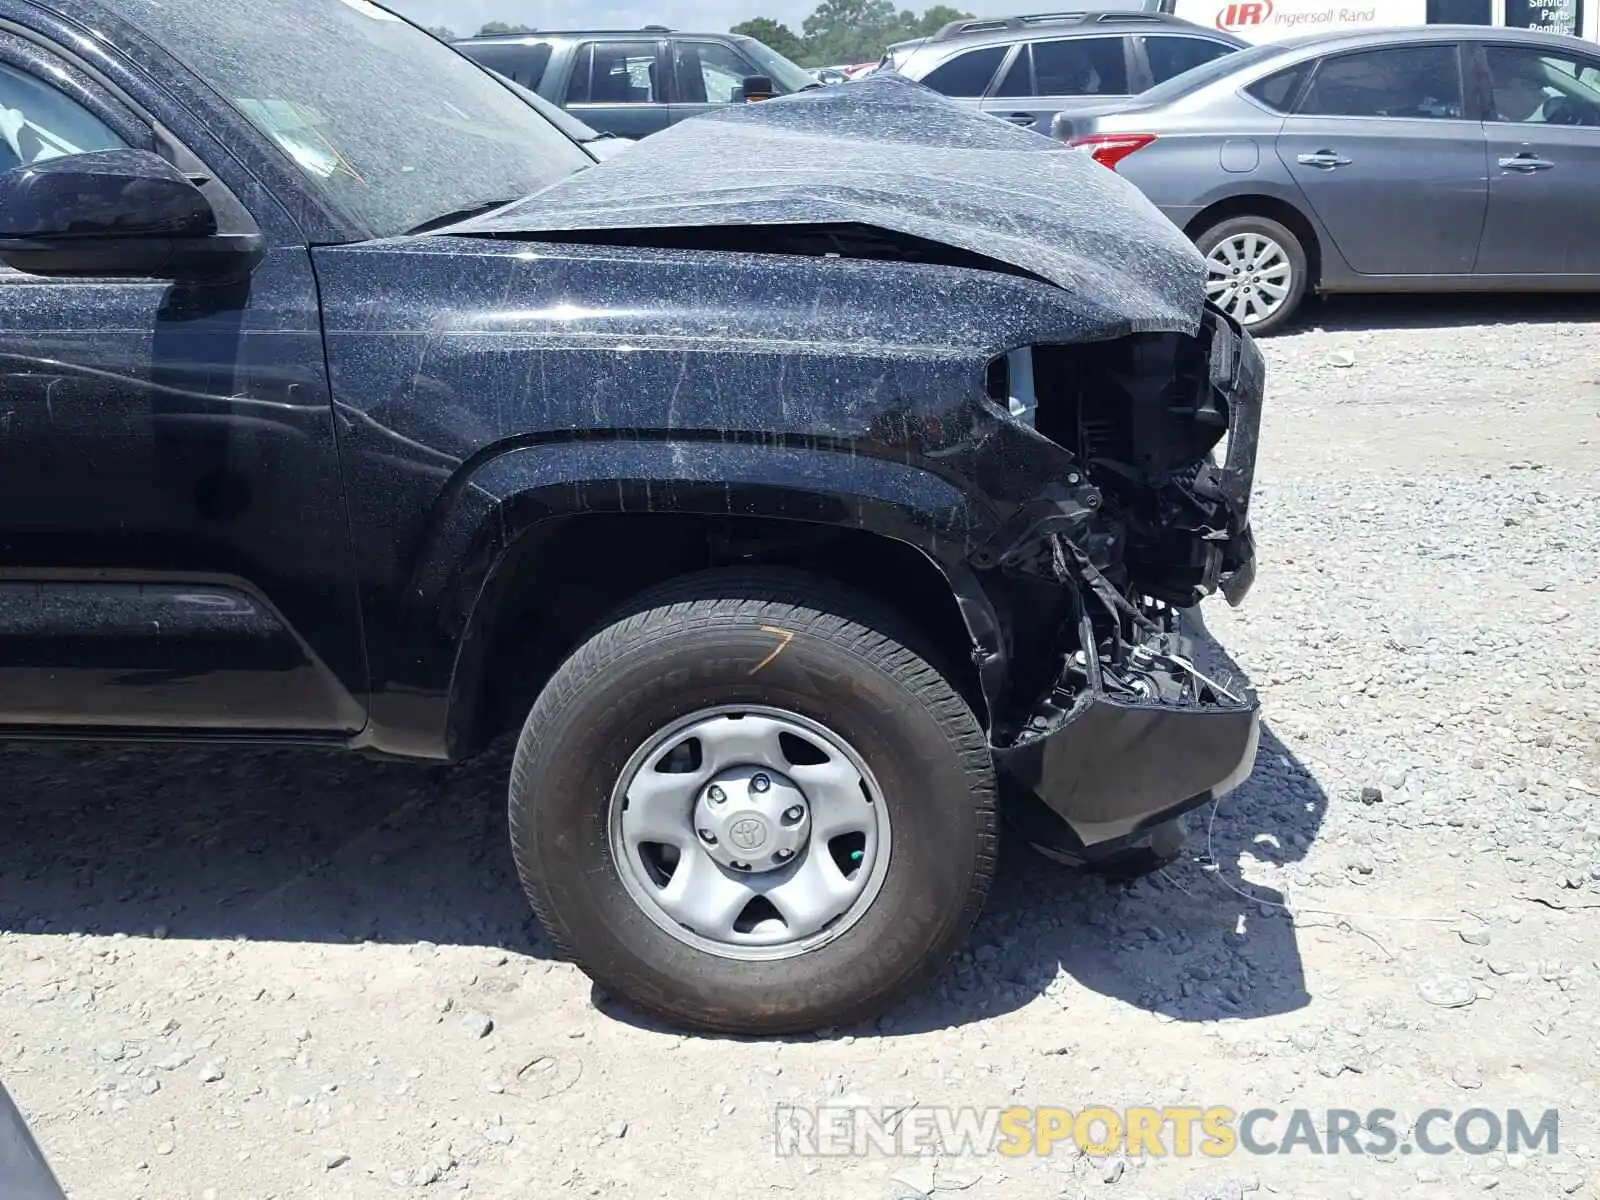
(887, 153)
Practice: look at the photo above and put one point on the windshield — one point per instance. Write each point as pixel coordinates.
(1197, 77)
(391, 124)
(556, 115)
(785, 74)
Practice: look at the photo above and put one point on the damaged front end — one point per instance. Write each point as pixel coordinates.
(1104, 716)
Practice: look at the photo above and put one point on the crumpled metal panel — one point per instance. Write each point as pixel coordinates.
(890, 154)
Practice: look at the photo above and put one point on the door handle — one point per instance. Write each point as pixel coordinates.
(1020, 118)
(1326, 159)
(1526, 163)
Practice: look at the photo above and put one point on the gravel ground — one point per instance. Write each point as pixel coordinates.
(287, 974)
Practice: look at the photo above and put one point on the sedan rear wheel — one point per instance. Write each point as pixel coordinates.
(1255, 271)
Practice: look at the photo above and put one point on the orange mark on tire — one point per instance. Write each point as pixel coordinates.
(784, 637)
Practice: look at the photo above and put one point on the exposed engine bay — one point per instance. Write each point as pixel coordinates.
(1164, 428)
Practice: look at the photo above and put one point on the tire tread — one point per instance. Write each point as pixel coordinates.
(805, 604)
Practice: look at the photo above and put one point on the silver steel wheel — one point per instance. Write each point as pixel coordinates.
(751, 833)
(1249, 277)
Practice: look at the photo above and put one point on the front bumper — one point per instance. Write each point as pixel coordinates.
(1116, 768)
(1131, 733)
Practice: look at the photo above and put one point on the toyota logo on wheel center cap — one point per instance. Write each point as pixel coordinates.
(748, 833)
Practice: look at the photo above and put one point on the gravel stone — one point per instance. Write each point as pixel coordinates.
(1447, 991)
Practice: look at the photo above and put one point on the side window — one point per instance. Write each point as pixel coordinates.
(614, 73)
(1089, 66)
(521, 63)
(1019, 79)
(39, 122)
(1277, 91)
(966, 75)
(710, 72)
(1170, 56)
(1412, 82)
(1533, 87)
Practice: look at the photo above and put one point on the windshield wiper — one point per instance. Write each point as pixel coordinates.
(460, 214)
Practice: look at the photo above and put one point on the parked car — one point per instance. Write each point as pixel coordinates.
(1438, 158)
(778, 521)
(1027, 69)
(25, 1174)
(601, 145)
(634, 82)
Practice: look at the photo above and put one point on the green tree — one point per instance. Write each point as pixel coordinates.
(774, 34)
(494, 27)
(850, 31)
(935, 19)
(443, 32)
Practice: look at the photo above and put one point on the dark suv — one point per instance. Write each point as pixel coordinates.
(783, 486)
(634, 82)
(1027, 69)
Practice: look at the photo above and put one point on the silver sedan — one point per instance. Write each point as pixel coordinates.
(1435, 158)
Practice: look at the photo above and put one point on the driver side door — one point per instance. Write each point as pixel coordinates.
(174, 552)
(1544, 178)
(707, 76)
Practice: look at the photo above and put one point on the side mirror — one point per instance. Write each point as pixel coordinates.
(111, 213)
(758, 87)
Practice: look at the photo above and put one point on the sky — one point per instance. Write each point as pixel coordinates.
(465, 16)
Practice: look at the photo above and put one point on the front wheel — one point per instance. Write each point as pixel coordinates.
(1255, 271)
(748, 806)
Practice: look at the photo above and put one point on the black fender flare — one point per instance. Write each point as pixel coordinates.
(504, 498)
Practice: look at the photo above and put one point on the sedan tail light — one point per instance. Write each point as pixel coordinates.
(1108, 149)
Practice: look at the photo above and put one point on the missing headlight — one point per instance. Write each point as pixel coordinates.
(1008, 381)
(1020, 394)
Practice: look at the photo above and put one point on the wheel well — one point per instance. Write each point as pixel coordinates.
(1273, 209)
(562, 578)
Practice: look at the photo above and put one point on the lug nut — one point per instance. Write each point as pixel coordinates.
(784, 855)
(739, 866)
(794, 814)
(707, 837)
(716, 795)
(759, 783)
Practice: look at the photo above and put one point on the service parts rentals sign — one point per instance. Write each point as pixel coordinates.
(1269, 20)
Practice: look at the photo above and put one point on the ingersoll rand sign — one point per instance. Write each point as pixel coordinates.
(1269, 20)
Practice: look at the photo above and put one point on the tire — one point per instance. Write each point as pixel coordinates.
(719, 639)
(1292, 251)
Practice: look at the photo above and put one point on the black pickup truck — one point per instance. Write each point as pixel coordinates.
(808, 485)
